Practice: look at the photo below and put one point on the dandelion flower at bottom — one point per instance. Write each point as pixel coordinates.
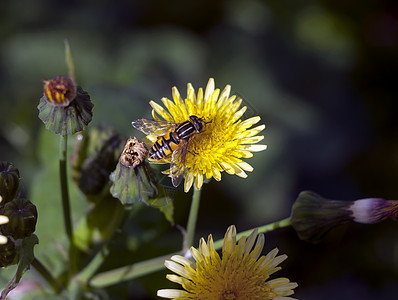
(239, 274)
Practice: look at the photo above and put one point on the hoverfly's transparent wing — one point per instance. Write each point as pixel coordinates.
(153, 127)
(177, 164)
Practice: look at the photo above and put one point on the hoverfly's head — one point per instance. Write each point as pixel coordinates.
(198, 123)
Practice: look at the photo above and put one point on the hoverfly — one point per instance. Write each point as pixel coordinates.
(172, 139)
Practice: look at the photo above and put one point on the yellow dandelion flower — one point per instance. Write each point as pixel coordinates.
(240, 274)
(221, 140)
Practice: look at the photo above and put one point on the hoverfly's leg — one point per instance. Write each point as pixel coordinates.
(177, 164)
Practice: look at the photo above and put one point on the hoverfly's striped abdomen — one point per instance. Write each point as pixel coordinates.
(166, 144)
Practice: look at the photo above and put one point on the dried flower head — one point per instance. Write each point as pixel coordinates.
(134, 153)
(65, 109)
(133, 180)
(60, 90)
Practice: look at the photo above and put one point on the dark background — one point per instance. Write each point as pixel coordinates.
(321, 74)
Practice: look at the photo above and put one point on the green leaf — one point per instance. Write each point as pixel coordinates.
(165, 205)
(26, 256)
(99, 223)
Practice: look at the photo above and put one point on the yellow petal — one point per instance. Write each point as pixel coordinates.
(254, 148)
(177, 268)
(3, 240)
(249, 122)
(224, 96)
(228, 168)
(245, 166)
(252, 140)
(161, 111)
(182, 261)
(229, 240)
(188, 181)
(198, 181)
(239, 172)
(204, 250)
(4, 219)
(209, 89)
(216, 173)
(250, 241)
(173, 294)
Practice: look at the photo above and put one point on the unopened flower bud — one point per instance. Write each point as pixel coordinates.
(95, 157)
(7, 253)
(9, 182)
(373, 210)
(313, 216)
(22, 215)
(60, 90)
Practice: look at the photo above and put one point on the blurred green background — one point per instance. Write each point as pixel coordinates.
(321, 74)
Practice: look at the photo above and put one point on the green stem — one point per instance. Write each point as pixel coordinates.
(262, 229)
(192, 218)
(130, 272)
(99, 258)
(156, 264)
(65, 200)
(64, 185)
(39, 267)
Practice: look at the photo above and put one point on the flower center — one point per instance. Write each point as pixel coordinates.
(229, 295)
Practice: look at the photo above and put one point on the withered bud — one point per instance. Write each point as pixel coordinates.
(134, 153)
(60, 90)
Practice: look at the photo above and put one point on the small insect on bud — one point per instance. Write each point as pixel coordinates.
(374, 210)
(7, 253)
(134, 153)
(9, 182)
(22, 215)
(60, 90)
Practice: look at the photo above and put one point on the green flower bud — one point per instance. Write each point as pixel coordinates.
(22, 215)
(9, 182)
(313, 216)
(7, 253)
(95, 157)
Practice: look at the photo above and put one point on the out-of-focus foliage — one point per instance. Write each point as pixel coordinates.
(320, 74)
